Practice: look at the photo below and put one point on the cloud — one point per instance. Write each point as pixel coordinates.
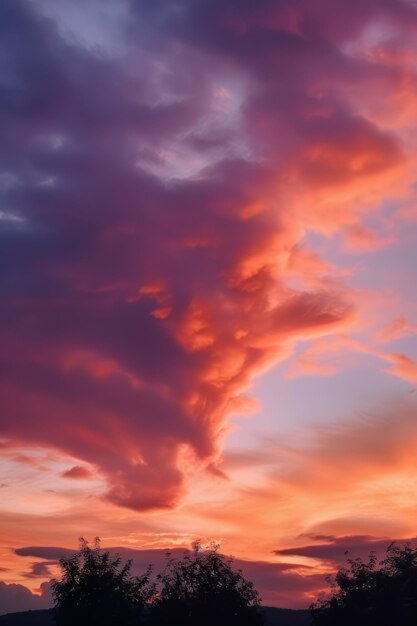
(373, 447)
(337, 550)
(402, 366)
(158, 197)
(360, 239)
(349, 479)
(397, 328)
(15, 598)
(77, 472)
(40, 570)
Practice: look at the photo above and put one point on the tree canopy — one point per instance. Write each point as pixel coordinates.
(96, 589)
(371, 593)
(203, 588)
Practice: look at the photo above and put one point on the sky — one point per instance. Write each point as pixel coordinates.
(208, 320)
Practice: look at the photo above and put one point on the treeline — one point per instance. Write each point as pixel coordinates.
(97, 589)
(203, 589)
(372, 593)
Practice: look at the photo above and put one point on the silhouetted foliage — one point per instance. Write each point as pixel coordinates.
(202, 588)
(372, 594)
(96, 589)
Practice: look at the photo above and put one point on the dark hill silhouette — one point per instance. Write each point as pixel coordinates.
(28, 618)
(273, 617)
(285, 617)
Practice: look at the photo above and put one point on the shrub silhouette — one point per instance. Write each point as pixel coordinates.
(202, 588)
(372, 594)
(97, 590)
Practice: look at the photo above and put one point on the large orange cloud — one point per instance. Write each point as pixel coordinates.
(143, 292)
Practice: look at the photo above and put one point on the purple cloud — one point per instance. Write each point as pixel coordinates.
(15, 598)
(150, 209)
(338, 549)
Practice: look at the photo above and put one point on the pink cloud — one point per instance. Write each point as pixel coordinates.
(78, 472)
(358, 238)
(396, 329)
(402, 366)
(144, 291)
(339, 479)
(328, 356)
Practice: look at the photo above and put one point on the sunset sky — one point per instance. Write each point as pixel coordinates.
(208, 329)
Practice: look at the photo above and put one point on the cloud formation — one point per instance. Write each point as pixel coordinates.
(156, 202)
(77, 472)
(337, 550)
(15, 598)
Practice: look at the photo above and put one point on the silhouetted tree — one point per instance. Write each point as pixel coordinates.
(372, 594)
(96, 589)
(202, 589)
